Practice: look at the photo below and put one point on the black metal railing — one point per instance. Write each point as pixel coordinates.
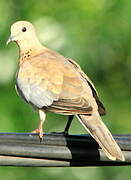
(25, 149)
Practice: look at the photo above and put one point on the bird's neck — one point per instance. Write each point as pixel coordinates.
(32, 49)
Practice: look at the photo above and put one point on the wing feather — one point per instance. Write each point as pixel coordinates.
(101, 107)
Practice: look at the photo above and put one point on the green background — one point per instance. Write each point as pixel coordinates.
(97, 34)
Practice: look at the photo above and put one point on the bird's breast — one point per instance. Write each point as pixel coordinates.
(35, 88)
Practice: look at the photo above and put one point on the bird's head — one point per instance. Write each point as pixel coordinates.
(23, 33)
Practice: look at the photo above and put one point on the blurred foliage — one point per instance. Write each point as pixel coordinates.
(97, 34)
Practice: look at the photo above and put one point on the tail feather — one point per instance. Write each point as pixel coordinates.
(102, 135)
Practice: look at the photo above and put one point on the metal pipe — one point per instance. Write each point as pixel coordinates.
(25, 149)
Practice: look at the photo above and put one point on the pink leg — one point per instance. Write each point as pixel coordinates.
(39, 130)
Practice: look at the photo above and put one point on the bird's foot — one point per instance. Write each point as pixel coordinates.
(39, 131)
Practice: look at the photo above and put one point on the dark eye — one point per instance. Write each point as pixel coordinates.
(24, 29)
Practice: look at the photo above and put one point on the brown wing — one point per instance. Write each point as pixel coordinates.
(101, 108)
(72, 98)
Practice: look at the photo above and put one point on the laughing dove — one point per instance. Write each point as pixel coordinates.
(51, 82)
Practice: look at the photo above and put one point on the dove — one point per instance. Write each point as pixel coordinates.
(48, 81)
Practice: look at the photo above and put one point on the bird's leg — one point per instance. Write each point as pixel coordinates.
(66, 130)
(39, 130)
(70, 118)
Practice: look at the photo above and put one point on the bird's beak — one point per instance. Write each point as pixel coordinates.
(10, 39)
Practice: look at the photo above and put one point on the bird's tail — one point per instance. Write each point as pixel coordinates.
(102, 135)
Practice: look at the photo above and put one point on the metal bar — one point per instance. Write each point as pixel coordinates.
(35, 162)
(59, 139)
(25, 149)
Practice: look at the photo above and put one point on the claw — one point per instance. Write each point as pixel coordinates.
(39, 131)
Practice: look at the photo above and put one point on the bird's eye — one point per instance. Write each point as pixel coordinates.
(24, 29)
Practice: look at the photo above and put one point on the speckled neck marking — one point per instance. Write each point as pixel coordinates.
(26, 55)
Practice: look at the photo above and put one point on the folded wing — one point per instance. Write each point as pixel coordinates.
(58, 84)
